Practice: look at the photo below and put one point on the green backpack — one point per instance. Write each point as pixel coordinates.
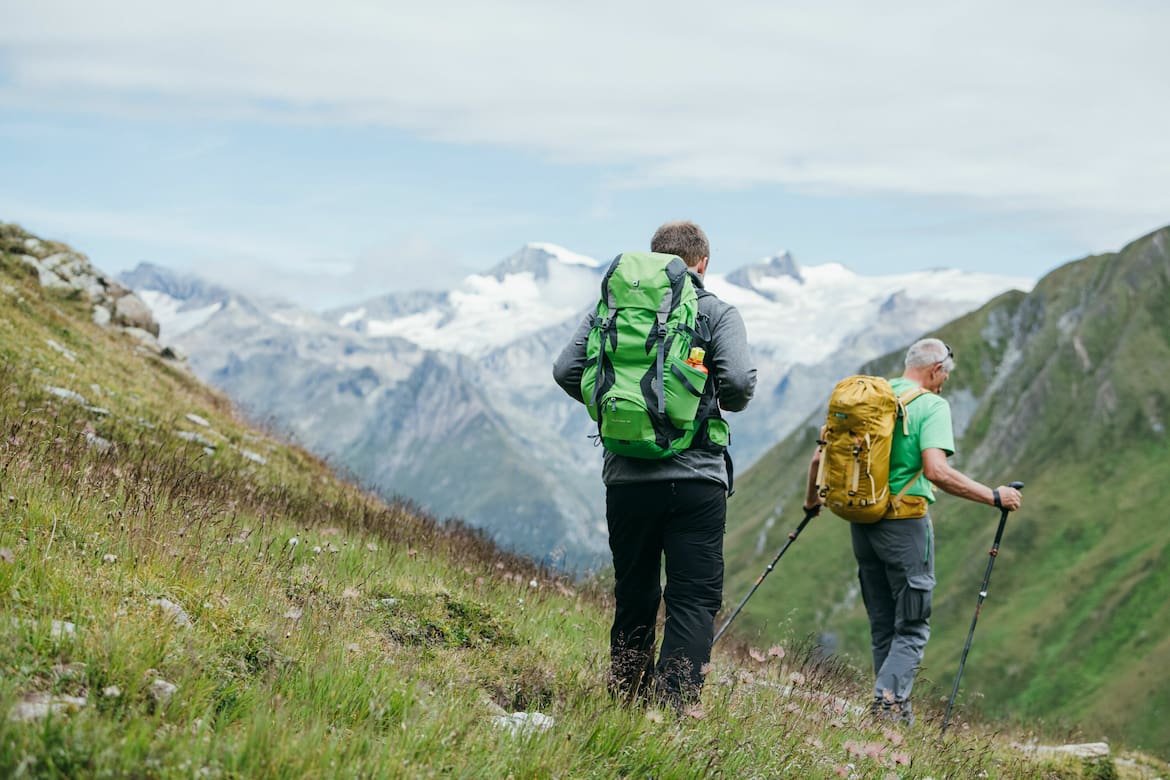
(637, 384)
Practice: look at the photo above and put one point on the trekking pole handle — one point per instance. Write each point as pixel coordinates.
(1002, 523)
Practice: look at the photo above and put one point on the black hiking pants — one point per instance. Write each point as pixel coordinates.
(683, 521)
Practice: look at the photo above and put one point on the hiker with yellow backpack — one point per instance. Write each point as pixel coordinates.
(883, 445)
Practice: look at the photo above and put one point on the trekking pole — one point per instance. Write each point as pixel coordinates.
(809, 514)
(982, 595)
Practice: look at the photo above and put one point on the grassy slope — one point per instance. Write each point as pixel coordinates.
(1077, 622)
(379, 644)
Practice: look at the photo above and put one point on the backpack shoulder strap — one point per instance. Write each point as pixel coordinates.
(904, 400)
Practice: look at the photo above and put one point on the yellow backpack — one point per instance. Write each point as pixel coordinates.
(854, 473)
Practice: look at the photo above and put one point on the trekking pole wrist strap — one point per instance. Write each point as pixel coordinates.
(995, 498)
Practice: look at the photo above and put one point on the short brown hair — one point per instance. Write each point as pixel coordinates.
(682, 238)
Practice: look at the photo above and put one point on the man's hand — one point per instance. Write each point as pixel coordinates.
(1009, 498)
(813, 509)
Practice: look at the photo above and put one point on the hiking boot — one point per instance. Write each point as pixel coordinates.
(882, 710)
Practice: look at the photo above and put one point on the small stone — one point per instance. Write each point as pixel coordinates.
(176, 612)
(132, 313)
(69, 355)
(524, 723)
(41, 705)
(103, 446)
(68, 395)
(111, 691)
(196, 438)
(161, 691)
(7, 556)
(201, 421)
(62, 628)
(252, 456)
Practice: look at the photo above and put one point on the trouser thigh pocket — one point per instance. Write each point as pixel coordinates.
(915, 601)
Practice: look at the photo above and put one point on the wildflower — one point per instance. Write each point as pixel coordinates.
(776, 651)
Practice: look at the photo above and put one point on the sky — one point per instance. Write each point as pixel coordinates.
(327, 153)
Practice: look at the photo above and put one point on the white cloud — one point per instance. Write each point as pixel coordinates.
(316, 275)
(1048, 106)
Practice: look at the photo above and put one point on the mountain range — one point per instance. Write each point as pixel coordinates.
(445, 397)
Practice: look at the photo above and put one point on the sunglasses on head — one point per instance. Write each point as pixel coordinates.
(950, 354)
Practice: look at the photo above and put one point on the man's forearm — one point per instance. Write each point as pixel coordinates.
(958, 484)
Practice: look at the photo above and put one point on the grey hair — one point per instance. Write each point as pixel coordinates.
(926, 352)
(682, 238)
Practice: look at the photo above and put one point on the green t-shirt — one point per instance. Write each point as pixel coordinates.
(928, 418)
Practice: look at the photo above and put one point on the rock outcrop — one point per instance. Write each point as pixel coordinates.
(59, 267)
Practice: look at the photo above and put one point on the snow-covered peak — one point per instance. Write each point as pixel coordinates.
(802, 321)
(537, 259)
(758, 276)
(537, 287)
(565, 256)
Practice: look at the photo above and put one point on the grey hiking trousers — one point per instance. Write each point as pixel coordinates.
(895, 564)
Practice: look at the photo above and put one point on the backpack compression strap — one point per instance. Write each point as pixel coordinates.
(663, 314)
(676, 272)
(608, 329)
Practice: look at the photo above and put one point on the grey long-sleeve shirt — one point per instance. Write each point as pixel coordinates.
(735, 381)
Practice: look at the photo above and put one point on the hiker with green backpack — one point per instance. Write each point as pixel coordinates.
(883, 445)
(654, 363)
